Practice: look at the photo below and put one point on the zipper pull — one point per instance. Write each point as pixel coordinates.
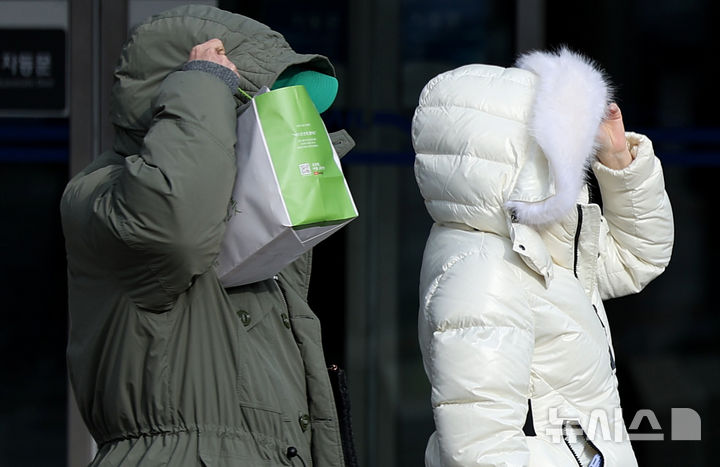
(596, 461)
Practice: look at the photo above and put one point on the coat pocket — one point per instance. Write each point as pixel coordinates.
(607, 337)
(254, 386)
(248, 449)
(216, 460)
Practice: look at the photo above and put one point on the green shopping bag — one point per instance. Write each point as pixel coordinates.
(290, 192)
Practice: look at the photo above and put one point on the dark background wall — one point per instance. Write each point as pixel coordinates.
(659, 55)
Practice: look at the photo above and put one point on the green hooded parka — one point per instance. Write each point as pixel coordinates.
(168, 367)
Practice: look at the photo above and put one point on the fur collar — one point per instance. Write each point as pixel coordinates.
(569, 104)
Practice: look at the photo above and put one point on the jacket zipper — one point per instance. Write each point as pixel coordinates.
(567, 442)
(612, 358)
(575, 266)
(577, 238)
(592, 445)
(587, 440)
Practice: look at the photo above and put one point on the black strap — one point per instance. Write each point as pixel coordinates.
(338, 381)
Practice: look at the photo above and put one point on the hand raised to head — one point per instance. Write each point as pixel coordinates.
(613, 151)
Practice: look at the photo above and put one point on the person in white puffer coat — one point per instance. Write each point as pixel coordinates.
(518, 260)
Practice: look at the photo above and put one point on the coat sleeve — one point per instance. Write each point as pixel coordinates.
(637, 232)
(170, 202)
(478, 355)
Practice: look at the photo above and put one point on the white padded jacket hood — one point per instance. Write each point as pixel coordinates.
(539, 119)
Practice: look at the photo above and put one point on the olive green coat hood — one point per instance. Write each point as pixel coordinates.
(162, 44)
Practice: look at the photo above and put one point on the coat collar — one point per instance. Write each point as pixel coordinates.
(572, 244)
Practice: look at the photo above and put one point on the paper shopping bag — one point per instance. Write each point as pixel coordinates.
(290, 192)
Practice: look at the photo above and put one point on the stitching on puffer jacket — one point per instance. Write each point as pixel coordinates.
(446, 268)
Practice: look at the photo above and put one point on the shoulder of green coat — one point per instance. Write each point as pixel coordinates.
(297, 274)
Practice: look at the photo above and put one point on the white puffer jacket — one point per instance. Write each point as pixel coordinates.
(518, 262)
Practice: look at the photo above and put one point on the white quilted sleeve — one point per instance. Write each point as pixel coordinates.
(478, 353)
(637, 236)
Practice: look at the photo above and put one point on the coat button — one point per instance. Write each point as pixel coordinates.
(244, 317)
(304, 422)
(285, 320)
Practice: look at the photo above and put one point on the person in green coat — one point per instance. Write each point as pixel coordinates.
(169, 367)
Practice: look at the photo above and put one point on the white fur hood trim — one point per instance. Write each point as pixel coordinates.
(569, 105)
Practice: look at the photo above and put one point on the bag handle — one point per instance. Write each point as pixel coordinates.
(249, 97)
